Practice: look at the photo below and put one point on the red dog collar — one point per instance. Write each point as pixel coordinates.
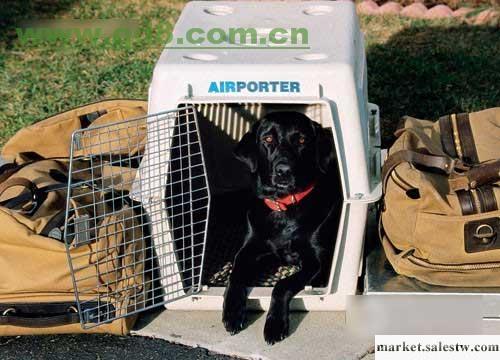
(292, 199)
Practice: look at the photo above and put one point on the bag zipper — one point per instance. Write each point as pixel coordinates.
(427, 264)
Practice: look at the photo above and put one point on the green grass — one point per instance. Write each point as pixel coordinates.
(428, 69)
(415, 67)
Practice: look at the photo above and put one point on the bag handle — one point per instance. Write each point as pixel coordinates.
(11, 317)
(482, 174)
(485, 173)
(442, 163)
(35, 195)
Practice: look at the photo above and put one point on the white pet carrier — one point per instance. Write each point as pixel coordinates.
(204, 97)
(231, 88)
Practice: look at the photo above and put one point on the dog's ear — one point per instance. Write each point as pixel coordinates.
(246, 150)
(325, 149)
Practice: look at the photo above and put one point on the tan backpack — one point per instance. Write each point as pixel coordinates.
(36, 289)
(440, 217)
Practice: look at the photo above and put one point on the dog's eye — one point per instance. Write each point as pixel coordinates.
(302, 140)
(268, 139)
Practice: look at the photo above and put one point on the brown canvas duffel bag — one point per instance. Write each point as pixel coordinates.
(36, 288)
(440, 221)
(51, 137)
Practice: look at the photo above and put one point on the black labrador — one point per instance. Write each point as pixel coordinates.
(294, 215)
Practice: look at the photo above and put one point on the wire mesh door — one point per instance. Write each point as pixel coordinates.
(136, 215)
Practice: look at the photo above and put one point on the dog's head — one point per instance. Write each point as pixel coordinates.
(286, 151)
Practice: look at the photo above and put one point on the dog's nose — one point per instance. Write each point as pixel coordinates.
(283, 169)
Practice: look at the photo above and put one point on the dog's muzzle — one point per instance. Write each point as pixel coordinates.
(283, 175)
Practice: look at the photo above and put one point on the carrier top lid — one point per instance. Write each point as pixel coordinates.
(332, 33)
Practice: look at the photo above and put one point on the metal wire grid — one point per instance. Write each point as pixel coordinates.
(137, 214)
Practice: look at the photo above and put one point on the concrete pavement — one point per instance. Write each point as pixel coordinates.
(314, 335)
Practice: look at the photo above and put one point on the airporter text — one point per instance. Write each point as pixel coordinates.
(254, 86)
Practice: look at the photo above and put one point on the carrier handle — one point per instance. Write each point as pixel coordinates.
(482, 174)
(11, 317)
(443, 163)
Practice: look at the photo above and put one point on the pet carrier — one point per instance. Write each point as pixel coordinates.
(202, 100)
(230, 88)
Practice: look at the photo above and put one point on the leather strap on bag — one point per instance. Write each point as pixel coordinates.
(447, 140)
(477, 201)
(442, 163)
(457, 138)
(469, 153)
(467, 202)
(485, 173)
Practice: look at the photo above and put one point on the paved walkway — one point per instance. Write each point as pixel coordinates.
(315, 335)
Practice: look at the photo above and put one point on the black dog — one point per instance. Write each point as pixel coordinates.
(294, 216)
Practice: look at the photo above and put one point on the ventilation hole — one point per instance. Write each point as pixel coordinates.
(317, 10)
(219, 10)
(311, 57)
(413, 194)
(201, 57)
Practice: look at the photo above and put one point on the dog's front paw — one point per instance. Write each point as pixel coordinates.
(234, 311)
(276, 328)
